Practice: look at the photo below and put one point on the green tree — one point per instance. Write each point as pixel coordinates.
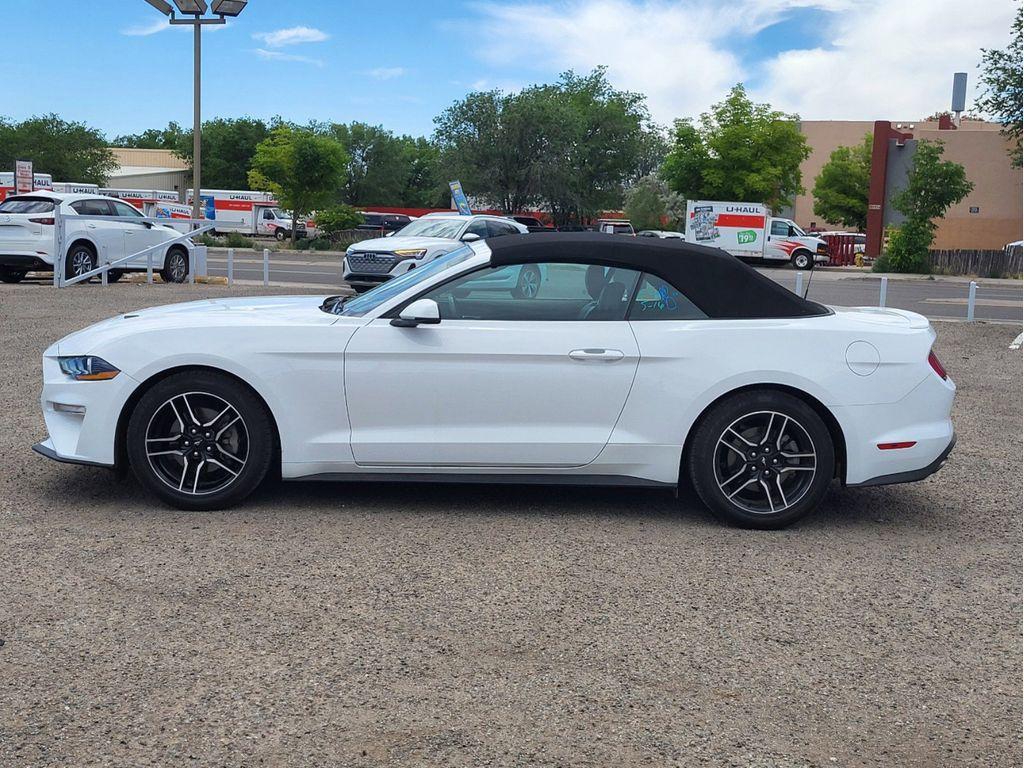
(933, 185)
(172, 137)
(338, 218)
(228, 149)
(571, 146)
(841, 189)
(738, 151)
(1002, 93)
(303, 169)
(68, 151)
(650, 204)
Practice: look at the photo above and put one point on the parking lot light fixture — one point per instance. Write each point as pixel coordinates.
(196, 9)
(191, 7)
(162, 6)
(228, 7)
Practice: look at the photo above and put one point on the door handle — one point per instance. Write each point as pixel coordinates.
(91, 226)
(596, 355)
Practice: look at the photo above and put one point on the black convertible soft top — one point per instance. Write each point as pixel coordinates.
(720, 284)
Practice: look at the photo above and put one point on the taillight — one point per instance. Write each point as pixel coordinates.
(44, 220)
(933, 361)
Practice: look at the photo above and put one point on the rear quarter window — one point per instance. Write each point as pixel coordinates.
(658, 300)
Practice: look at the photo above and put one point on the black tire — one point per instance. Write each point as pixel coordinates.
(175, 266)
(281, 234)
(803, 260)
(759, 434)
(113, 275)
(528, 283)
(163, 418)
(12, 276)
(81, 258)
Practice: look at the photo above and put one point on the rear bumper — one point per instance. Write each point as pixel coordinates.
(913, 475)
(24, 261)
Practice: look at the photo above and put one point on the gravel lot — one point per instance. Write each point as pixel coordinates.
(370, 625)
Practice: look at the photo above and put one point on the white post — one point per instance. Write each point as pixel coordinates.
(231, 265)
(266, 266)
(58, 246)
(103, 276)
(881, 291)
(970, 301)
(149, 267)
(799, 283)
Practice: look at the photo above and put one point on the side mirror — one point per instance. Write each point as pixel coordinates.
(470, 237)
(420, 312)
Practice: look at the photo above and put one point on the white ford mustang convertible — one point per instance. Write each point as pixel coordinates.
(629, 362)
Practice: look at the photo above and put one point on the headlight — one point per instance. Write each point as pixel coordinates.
(87, 368)
(410, 253)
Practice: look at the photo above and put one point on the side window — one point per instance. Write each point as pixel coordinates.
(268, 214)
(499, 228)
(478, 227)
(550, 291)
(780, 228)
(658, 300)
(91, 208)
(123, 209)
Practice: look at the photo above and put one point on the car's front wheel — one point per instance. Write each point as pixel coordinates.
(12, 275)
(528, 283)
(803, 260)
(175, 267)
(761, 459)
(200, 440)
(281, 234)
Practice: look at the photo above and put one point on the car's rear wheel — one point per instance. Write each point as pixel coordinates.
(200, 440)
(81, 258)
(528, 283)
(761, 459)
(175, 266)
(12, 276)
(802, 260)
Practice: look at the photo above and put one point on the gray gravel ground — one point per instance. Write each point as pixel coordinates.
(384, 625)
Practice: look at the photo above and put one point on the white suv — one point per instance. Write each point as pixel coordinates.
(372, 262)
(26, 238)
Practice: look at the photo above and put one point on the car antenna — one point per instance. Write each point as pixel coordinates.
(810, 274)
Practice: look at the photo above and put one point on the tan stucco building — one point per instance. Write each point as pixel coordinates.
(991, 216)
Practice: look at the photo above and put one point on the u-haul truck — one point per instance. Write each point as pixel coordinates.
(75, 188)
(747, 231)
(143, 199)
(39, 181)
(245, 211)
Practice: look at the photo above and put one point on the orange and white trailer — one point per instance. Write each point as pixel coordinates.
(76, 188)
(39, 181)
(143, 199)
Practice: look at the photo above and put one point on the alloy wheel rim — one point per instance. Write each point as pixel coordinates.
(81, 262)
(765, 462)
(529, 283)
(197, 443)
(177, 266)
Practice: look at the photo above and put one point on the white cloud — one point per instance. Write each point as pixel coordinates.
(263, 53)
(888, 60)
(883, 59)
(291, 36)
(386, 73)
(144, 30)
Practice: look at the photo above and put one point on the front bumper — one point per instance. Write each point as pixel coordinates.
(81, 438)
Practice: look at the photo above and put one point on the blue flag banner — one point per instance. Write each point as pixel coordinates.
(460, 198)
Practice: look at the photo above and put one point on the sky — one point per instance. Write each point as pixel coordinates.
(118, 66)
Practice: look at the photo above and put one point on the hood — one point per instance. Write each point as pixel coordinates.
(251, 310)
(395, 242)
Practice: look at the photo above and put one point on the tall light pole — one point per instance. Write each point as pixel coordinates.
(196, 9)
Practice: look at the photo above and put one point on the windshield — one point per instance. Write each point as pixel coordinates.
(799, 232)
(427, 227)
(357, 306)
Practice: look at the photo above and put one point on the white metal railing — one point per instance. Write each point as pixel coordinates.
(60, 250)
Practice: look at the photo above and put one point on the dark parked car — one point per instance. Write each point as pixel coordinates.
(388, 222)
(532, 223)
